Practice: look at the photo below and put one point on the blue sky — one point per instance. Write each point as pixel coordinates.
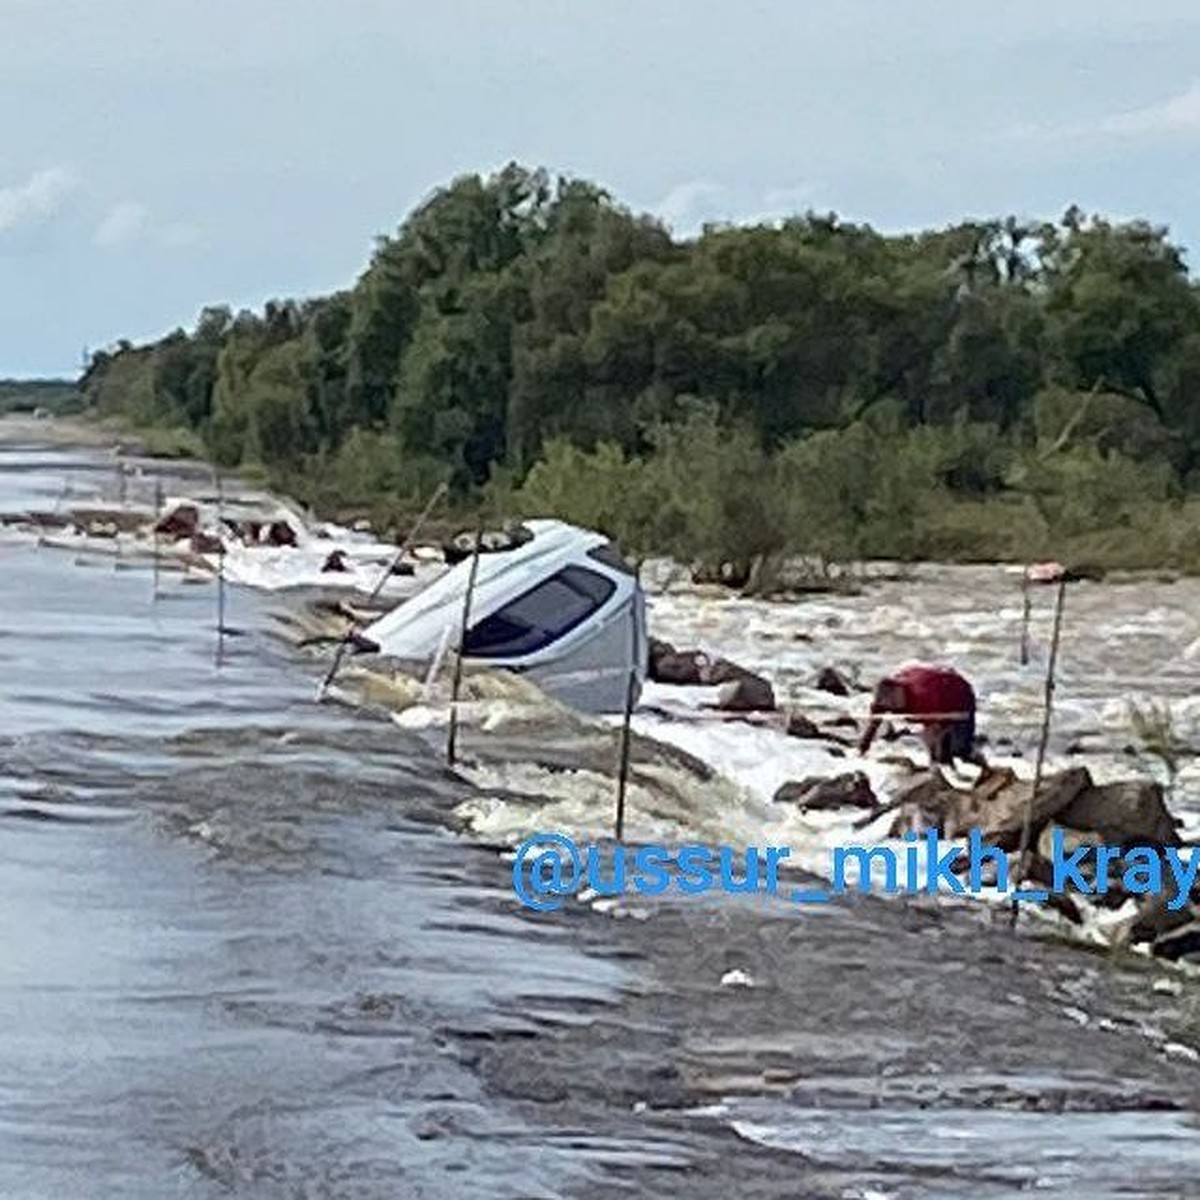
(158, 156)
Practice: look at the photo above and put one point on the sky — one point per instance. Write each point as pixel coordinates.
(160, 155)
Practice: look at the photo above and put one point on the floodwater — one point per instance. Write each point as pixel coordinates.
(259, 946)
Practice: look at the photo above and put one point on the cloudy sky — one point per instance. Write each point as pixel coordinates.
(157, 155)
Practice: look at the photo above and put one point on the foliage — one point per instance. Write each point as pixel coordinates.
(59, 397)
(1155, 728)
(996, 388)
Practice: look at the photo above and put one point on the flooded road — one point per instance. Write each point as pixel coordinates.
(229, 947)
(256, 946)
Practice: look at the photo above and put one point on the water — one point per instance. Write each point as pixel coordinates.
(229, 947)
(254, 946)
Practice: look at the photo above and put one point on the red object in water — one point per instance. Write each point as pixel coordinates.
(935, 690)
(938, 699)
(1044, 572)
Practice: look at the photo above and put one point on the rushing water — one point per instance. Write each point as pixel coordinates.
(252, 948)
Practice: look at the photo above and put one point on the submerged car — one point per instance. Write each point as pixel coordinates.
(556, 603)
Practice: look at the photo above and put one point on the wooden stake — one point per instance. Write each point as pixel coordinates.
(158, 502)
(1025, 604)
(220, 570)
(1047, 710)
(452, 733)
(404, 548)
(630, 688)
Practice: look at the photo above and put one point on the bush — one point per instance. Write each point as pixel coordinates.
(853, 493)
(599, 489)
(1085, 489)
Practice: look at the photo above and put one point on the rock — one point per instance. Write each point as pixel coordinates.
(724, 671)
(727, 574)
(206, 543)
(1155, 919)
(852, 790)
(403, 568)
(280, 533)
(741, 689)
(1183, 942)
(181, 522)
(48, 520)
(659, 650)
(997, 805)
(668, 665)
(1129, 813)
(336, 561)
(831, 680)
(1126, 814)
(1041, 871)
(799, 726)
(749, 693)
(923, 804)
(1113, 893)
(108, 522)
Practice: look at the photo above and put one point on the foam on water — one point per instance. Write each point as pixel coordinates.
(1121, 644)
(526, 764)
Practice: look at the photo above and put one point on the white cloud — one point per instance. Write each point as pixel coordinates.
(35, 200)
(132, 222)
(123, 223)
(1178, 114)
(778, 203)
(688, 206)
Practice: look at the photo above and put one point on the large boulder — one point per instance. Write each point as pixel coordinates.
(280, 533)
(746, 693)
(668, 665)
(997, 805)
(695, 668)
(723, 671)
(181, 522)
(1129, 813)
(852, 790)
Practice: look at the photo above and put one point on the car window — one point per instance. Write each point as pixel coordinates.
(542, 615)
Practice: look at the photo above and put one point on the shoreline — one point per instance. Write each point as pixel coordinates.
(71, 431)
(88, 432)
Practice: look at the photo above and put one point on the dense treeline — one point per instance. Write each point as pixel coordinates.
(995, 388)
(56, 396)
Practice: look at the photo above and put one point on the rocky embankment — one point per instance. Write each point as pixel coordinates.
(1129, 818)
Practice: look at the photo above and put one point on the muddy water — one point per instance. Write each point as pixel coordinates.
(252, 949)
(236, 940)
